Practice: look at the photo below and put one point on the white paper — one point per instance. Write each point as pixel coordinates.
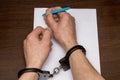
(87, 35)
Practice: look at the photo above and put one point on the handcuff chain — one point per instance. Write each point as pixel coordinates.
(56, 70)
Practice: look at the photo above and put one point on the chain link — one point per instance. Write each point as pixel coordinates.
(56, 70)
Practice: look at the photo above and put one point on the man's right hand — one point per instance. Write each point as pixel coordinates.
(63, 26)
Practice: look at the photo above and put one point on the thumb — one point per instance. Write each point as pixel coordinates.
(49, 19)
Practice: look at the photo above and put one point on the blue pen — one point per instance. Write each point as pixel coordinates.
(57, 11)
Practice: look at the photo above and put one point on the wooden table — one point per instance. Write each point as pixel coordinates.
(16, 21)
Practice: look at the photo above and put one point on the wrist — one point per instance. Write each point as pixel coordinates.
(34, 66)
(35, 63)
(29, 73)
(69, 45)
(29, 76)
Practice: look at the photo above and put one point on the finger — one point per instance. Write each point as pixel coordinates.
(55, 8)
(51, 32)
(62, 14)
(35, 34)
(46, 35)
(56, 16)
(46, 40)
(59, 15)
(37, 31)
(49, 17)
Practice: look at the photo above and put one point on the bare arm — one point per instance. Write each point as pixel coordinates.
(63, 27)
(81, 68)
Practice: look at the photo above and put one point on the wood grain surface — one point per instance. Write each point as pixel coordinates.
(16, 21)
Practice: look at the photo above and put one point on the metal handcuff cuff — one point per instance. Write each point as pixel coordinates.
(64, 64)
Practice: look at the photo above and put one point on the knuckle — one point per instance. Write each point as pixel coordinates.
(45, 44)
(48, 19)
(46, 33)
(29, 37)
(67, 16)
(48, 43)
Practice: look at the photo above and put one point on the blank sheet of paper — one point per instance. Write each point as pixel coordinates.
(87, 35)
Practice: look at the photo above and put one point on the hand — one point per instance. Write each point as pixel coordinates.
(63, 27)
(37, 46)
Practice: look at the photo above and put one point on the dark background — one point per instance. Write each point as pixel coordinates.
(16, 21)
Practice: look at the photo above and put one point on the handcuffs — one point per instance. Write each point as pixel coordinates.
(64, 64)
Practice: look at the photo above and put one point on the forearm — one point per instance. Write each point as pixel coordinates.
(81, 68)
(29, 76)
